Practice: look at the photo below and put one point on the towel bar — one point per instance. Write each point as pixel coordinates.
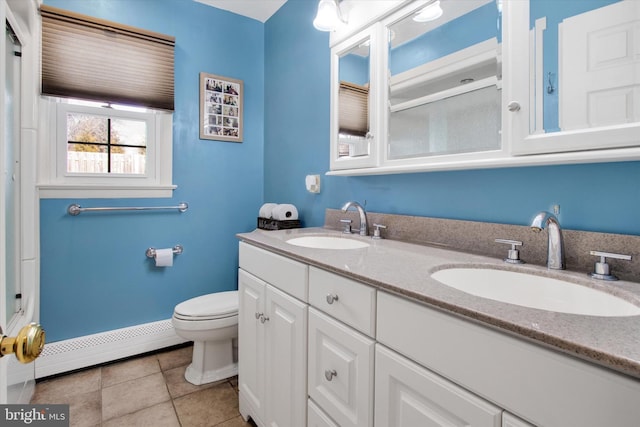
(75, 209)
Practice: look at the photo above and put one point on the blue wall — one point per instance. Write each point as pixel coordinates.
(94, 272)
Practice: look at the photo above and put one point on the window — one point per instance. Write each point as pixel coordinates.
(99, 148)
(106, 144)
(102, 150)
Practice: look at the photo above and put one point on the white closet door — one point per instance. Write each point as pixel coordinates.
(600, 63)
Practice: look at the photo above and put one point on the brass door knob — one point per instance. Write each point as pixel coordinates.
(27, 345)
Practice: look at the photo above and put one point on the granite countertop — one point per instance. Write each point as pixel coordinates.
(405, 269)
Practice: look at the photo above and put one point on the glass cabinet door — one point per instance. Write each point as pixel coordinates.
(575, 85)
(354, 106)
(444, 95)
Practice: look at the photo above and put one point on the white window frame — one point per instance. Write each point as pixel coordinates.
(55, 182)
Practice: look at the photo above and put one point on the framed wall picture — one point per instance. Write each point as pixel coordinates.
(221, 108)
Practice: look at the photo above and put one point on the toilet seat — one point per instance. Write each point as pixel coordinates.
(214, 306)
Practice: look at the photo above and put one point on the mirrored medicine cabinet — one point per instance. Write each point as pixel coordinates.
(486, 84)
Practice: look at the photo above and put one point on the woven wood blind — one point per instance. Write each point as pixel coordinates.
(354, 109)
(89, 58)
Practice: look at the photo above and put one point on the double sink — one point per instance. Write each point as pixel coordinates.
(520, 288)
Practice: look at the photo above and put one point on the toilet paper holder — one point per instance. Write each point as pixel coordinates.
(151, 252)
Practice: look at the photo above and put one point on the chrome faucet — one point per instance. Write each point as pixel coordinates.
(555, 252)
(364, 226)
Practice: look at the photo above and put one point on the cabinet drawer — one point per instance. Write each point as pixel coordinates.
(509, 420)
(408, 395)
(348, 301)
(317, 418)
(281, 272)
(340, 371)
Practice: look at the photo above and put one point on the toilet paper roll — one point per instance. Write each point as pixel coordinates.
(164, 257)
(266, 210)
(285, 212)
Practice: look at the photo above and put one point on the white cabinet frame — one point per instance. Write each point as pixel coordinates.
(520, 146)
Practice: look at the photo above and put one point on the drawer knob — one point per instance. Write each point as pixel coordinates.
(331, 298)
(329, 374)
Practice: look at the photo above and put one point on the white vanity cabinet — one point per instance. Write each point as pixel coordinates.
(408, 395)
(341, 359)
(539, 385)
(272, 344)
(359, 356)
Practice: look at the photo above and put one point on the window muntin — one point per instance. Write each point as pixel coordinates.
(105, 144)
(82, 158)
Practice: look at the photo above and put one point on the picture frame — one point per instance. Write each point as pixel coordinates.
(221, 102)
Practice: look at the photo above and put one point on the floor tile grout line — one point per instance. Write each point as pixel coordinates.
(168, 362)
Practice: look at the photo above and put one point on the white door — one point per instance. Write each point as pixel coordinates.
(251, 293)
(600, 51)
(408, 395)
(286, 360)
(19, 53)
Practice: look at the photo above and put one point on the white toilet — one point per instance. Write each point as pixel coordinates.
(211, 322)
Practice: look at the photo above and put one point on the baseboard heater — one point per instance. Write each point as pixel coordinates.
(89, 350)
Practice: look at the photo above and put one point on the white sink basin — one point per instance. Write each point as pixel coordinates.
(535, 291)
(327, 242)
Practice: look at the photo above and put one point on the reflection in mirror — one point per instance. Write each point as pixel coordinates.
(586, 69)
(353, 104)
(11, 202)
(444, 95)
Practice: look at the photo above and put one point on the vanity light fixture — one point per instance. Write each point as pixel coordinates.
(329, 16)
(431, 12)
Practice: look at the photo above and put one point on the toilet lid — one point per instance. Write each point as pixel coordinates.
(210, 306)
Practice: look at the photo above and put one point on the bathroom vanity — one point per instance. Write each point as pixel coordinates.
(365, 337)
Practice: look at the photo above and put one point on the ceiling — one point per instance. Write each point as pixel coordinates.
(260, 10)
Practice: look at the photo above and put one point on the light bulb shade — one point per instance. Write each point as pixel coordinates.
(430, 13)
(327, 18)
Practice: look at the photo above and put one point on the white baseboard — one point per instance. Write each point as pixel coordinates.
(81, 352)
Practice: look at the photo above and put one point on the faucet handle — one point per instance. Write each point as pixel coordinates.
(347, 226)
(514, 254)
(376, 232)
(601, 268)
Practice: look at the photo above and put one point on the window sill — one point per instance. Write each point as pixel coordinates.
(58, 191)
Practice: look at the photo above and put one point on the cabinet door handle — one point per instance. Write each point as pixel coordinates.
(513, 106)
(263, 318)
(258, 315)
(331, 298)
(329, 374)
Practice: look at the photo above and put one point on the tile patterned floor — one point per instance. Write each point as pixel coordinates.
(143, 391)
